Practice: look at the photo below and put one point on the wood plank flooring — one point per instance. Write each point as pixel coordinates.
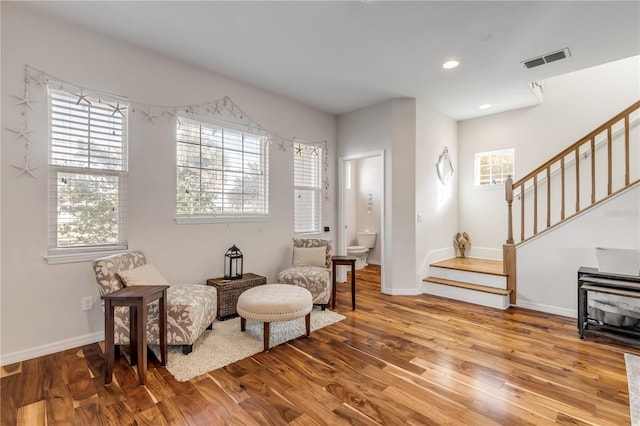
(472, 264)
(401, 360)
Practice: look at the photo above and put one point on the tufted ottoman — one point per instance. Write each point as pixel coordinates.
(275, 302)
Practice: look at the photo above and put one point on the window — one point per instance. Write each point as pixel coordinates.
(222, 173)
(88, 172)
(493, 168)
(307, 185)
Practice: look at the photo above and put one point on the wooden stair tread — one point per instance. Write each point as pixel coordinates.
(472, 264)
(476, 287)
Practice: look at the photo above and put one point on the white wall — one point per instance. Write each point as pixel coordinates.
(437, 204)
(350, 204)
(547, 266)
(40, 302)
(574, 104)
(389, 126)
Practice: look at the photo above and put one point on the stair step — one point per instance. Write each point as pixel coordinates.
(472, 264)
(469, 286)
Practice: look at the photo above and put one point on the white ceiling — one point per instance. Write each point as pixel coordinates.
(344, 55)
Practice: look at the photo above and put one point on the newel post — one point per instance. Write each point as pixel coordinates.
(509, 249)
(508, 194)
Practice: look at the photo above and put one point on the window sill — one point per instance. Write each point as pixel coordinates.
(60, 256)
(188, 220)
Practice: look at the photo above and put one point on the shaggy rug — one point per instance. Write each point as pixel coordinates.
(226, 344)
(633, 379)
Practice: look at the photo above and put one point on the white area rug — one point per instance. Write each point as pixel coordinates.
(633, 379)
(226, 344)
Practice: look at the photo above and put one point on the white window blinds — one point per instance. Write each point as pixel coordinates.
(307, 176)
(221, 172)
(88, 168)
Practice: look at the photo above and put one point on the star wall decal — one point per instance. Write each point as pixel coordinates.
(23, 132)
(314, 150)
(42, 81)
(173, 115)
(299, 149)
(117, 108)
(82, 97)
(150, 116)
(26, 100)
(26, 168)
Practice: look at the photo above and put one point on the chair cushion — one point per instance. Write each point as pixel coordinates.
(309, 256)
(316, 280)
(316, 242)
(142, 275)
(190, 310)
(107, 268)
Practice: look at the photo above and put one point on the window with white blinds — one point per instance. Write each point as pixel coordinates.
(221, 172)
(88, 172)
(307, 186)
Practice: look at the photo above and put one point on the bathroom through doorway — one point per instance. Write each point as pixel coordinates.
(361, 210)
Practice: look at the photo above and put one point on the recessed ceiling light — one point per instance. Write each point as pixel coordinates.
(450, 64)
(485, 106)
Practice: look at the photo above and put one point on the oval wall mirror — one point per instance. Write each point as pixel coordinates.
(444, 167)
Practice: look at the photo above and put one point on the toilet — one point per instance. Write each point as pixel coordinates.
(366, 241)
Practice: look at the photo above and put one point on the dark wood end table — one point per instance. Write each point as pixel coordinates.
(136, 298)
(346, 261)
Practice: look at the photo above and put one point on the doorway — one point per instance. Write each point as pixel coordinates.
(361, 205)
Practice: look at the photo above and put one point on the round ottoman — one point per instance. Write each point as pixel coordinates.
(274, 302)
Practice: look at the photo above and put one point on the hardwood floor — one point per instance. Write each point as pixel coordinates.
(396, 360)
(472, 264)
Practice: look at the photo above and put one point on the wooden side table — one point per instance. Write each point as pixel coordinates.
(346, 261)
(136, 298)
(230, 290)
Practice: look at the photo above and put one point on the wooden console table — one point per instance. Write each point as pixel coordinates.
(346, 261)
(590, 279)
(136, 298)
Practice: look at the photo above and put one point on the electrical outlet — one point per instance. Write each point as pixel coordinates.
(87, 303)
(419, 217)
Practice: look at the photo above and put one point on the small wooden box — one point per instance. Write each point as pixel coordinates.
(230, 290)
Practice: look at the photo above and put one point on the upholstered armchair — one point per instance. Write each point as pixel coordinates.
(311, 268)
(191, 308)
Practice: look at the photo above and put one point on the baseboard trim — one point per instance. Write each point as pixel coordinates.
(50, 348)
(571, 313)
(485, 253)
(401, 291)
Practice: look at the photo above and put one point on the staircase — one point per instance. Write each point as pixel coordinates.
(480, 281)
(596, 168)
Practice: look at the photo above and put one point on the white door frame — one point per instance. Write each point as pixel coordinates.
(341, 272)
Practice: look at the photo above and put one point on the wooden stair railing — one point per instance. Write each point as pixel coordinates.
(587, 154)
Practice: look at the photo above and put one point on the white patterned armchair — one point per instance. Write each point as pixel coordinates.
(191, 308)
(311, 268)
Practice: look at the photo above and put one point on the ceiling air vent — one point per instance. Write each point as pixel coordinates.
(545, 59)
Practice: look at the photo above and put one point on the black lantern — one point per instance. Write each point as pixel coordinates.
(233, 264)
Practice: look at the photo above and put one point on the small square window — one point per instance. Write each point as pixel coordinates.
(493, 168)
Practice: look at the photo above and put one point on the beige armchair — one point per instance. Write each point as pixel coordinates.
(311, 268)
(190, 308)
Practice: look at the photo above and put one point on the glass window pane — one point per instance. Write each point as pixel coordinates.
(231, 166)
